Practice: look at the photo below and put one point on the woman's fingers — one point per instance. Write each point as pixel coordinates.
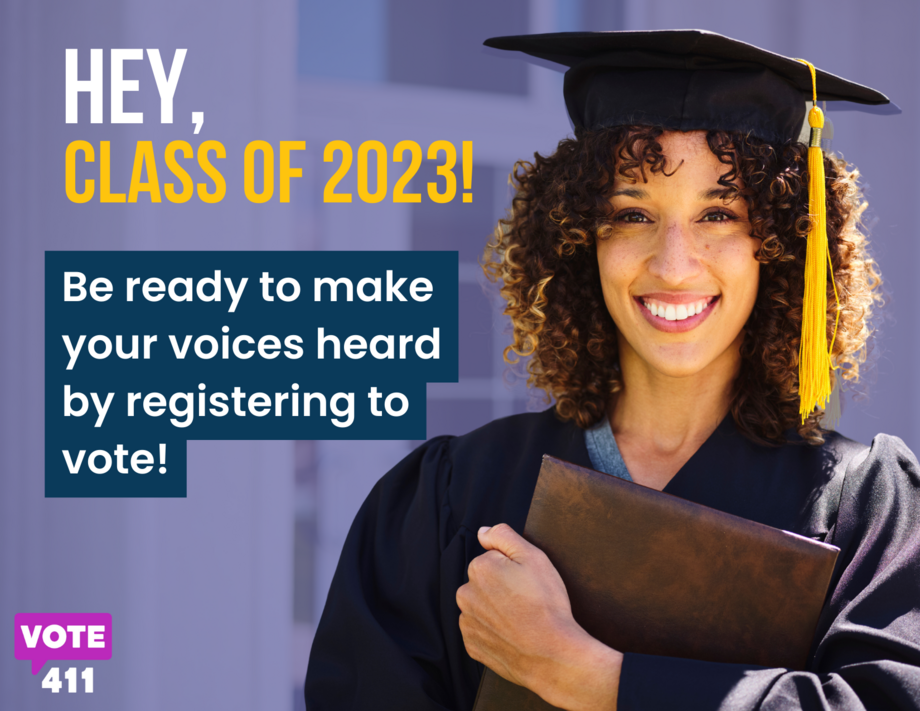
(514, 607)
(504, 539)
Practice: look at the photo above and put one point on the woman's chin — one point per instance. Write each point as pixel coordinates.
(681, 361)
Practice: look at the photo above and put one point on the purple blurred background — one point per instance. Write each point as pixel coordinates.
(214, 598)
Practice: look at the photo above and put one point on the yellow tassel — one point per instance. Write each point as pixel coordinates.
(814, 353)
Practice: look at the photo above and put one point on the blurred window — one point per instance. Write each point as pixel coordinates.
(449, 52)
(412, 42)
(337, 44)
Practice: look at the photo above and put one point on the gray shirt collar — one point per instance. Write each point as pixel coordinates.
(603, 451)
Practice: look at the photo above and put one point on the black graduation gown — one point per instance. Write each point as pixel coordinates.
(389, 635)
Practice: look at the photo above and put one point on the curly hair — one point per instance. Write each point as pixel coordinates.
(544, 255)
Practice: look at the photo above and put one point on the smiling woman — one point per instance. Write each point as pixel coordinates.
(655, 269)
(683, 217)
(679, 257)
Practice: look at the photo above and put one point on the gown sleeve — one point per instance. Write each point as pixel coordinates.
(385, 637)
(866, 653)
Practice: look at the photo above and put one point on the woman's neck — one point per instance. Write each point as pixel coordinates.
(660, 421)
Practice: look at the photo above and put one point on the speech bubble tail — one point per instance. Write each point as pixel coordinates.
(37, 665)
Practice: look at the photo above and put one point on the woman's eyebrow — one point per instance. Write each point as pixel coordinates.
(719, 193)
(631, 192)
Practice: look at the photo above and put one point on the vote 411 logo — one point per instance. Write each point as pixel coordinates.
(40, 637)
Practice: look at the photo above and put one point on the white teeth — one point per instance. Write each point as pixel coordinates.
(675, 312)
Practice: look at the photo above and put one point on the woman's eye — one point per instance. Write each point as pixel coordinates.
(718, 216)
(631, 217)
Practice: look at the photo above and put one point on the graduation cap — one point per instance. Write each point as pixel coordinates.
(686, 80)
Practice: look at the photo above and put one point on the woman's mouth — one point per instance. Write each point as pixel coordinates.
(673, 317)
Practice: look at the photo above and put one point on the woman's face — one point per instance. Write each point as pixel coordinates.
(678, 272)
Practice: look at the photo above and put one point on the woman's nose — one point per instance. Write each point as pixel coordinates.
(675, 259)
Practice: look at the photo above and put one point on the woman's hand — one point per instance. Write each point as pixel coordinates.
(516, 619)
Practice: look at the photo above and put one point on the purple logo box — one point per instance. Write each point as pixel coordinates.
(42, 636)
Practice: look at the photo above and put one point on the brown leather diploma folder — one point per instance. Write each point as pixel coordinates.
(651, 573)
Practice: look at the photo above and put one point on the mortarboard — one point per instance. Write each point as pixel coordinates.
(685, 80)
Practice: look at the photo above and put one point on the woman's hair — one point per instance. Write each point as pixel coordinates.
(544, 255)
